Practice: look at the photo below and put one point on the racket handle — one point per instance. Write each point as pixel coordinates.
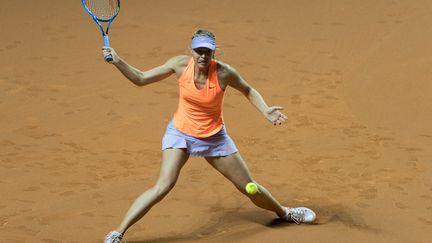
(108, 58)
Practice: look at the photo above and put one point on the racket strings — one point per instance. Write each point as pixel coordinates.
(103, 9)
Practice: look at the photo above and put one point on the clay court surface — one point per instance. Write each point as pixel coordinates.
(78, 142)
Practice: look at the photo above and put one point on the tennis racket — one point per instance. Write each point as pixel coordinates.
(103, 11)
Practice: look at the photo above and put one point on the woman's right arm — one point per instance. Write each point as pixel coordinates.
(141, 78)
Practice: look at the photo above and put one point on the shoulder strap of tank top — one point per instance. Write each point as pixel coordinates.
(188, 71)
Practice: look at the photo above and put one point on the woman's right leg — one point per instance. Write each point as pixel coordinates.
(172, 162)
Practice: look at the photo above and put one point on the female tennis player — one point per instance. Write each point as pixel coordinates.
(197, 128)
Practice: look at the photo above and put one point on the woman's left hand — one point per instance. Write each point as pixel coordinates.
(274, 115)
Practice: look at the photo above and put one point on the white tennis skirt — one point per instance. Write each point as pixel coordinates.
(219, 144)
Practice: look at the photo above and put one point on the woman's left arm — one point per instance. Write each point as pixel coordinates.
(272, 113)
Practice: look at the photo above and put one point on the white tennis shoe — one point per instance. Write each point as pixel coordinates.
(299, 215)
(114, 237)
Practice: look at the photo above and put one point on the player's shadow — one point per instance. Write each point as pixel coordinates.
(230, 222)
(227, 223)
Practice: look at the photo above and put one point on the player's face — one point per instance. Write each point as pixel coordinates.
(202, 56)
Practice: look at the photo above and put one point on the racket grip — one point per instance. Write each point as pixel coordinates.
(108, 58)
(106, 41)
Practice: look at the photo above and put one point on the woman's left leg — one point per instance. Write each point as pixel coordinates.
(235, 169)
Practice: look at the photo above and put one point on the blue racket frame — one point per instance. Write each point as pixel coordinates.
(98, 22)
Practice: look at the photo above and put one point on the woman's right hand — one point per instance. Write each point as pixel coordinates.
(106, 51)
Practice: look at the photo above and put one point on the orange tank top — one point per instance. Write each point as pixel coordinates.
(199, 111)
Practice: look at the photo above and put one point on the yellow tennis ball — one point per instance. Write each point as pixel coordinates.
(251, 188)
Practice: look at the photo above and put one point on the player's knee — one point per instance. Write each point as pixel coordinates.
(164, 187)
